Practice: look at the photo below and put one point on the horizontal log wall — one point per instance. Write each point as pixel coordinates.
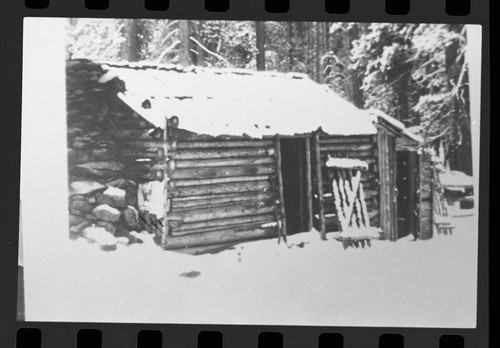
(217, 213)
(196, 202)
(220, 153)
(220, 237)
(221, 172)
(215, 189)
(208, 225)
(220, 191)
(362, 147)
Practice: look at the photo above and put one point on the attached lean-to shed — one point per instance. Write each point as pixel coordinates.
(245, 153)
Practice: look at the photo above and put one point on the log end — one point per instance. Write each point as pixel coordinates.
(171, 165)
(172, 145)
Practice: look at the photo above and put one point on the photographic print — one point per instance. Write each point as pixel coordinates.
(250, 172)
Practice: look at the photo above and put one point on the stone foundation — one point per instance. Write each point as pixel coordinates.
(104, 169)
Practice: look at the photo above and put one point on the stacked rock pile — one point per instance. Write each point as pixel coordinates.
(103, 171)
(106, 213)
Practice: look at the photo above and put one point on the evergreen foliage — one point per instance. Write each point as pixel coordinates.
(413, 72)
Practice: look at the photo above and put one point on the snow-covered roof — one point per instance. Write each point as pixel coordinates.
(238, 102)
(396, 124)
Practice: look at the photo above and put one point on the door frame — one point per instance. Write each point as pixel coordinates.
(308, 217)
(388, 191)
(411, 159)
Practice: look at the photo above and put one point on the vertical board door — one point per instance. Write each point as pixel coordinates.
(388, 194)
(407, 177)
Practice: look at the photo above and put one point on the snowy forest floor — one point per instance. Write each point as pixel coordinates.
(310, 282)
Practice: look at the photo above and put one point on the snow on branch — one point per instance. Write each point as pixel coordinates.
(167, 50)
(208, 51)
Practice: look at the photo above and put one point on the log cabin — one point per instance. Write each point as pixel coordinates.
(229, 155)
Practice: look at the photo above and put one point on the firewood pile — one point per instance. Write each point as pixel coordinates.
(104, 171)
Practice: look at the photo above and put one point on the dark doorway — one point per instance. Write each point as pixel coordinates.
(295, 170)
(406, 184)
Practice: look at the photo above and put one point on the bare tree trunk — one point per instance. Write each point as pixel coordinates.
(402, 92)
(317, 52)
(201, 53)
(131, 46)
(184, 54)
(291, 46)
(356, 79)
(325, 37)
(344, 54)
(308, 48)
(260, 35)
(357, 92)
(461, 154)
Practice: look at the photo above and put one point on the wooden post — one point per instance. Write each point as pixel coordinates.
(336, 176)
(300, 187)
(319, 188)
(282, 230)
(412, 192)
(166, 207)
(382, 183)
(277, 203)
(308, 184)
(387, 185)
(391, 141)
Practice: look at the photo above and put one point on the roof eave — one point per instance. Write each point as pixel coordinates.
(396, 127)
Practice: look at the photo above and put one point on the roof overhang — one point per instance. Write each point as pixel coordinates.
(238, 102)
(395, 127)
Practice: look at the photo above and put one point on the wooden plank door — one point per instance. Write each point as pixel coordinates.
(407, 177)
(388, 190)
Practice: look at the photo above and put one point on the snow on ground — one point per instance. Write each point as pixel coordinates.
(406, 283)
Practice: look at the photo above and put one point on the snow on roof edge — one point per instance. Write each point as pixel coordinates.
(265, 104)
(146, 65)
(397, 124)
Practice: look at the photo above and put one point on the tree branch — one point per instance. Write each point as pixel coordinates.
(428, 76)
(429, 61)
(399, 77)
(167, 50)
(209, 52)
(115, 33)
(168, 36)
(459, 81)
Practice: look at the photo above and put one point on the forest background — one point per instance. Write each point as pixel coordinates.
(414, 72)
